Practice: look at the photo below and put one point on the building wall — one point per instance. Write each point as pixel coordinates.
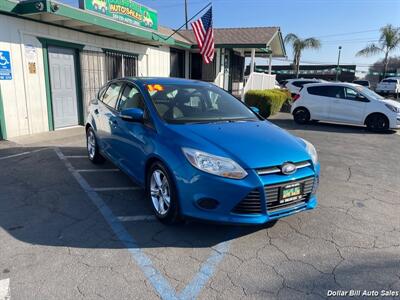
(24, 97)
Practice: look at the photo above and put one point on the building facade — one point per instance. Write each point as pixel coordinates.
(54, 58)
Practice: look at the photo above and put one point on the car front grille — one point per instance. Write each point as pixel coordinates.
(272, 194)
(251, 204)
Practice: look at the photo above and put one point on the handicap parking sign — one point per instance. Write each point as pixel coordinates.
(5, 65)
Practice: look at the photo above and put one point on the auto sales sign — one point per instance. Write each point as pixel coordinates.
(126, 11)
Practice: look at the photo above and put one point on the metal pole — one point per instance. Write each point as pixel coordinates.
(186, 15)
(338, 62)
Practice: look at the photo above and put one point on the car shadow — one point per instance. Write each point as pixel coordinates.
(41, 203)
(289, 124)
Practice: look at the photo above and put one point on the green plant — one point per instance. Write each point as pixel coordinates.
(389, 41)
(269, 102)
(298, 46)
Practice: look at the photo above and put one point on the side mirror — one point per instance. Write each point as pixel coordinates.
(255, 109)
(132, 114)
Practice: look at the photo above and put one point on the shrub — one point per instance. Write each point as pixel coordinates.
(269, 102)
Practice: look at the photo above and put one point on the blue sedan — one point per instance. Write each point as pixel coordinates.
(201, 153)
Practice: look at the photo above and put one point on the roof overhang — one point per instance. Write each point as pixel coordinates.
(59, 14)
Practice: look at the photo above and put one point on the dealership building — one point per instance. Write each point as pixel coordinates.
(54, 57)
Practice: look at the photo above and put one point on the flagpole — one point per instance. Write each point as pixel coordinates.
(175, 31)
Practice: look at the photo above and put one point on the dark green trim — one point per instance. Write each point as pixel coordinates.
(79, 89)
(78, 77)
(59, 43)
(238, 46)
(48, 86)
(3, 131)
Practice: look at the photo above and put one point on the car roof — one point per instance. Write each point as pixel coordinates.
(165, 80)
(349, 84)
(302, 79)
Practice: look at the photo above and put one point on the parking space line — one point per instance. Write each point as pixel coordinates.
(123, 188)
(5, 289)
(76, 156)
(97, 170)
(22, 153)
(136, 218)
(157, 280)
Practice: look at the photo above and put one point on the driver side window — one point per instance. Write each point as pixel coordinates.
(131, 98)
(350, 94)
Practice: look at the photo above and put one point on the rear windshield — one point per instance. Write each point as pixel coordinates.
(303, 82)
(389, 80)
(180, 104)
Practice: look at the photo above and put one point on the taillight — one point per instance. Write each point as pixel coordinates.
(296, 97)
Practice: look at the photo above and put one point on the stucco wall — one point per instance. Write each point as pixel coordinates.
(24, 97)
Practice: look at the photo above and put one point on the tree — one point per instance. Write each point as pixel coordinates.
(298, 46)
(389, 40)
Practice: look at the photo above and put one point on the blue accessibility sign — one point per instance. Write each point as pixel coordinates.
(5, 65)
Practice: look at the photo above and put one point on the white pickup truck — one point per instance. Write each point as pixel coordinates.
(390, 85)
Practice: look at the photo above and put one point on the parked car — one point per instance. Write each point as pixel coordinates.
(346, 103)
(201, 153)
(390, 85)
(362, 82)
(295, 85)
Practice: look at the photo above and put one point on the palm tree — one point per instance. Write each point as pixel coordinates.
(298, 46)
(389, 40)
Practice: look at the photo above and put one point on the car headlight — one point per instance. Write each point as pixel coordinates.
(217, 165)
(312, 151)
(393, 108)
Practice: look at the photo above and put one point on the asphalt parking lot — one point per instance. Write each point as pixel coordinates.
(72, 230)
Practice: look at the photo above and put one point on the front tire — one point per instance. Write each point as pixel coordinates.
(161, 191)
(301, 115)
(377, 123)
(93, 147)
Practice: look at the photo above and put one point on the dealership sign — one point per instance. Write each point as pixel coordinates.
(125, 11)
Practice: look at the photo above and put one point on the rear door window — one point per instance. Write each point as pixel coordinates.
(111, 95)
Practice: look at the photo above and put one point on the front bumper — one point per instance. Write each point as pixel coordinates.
(195, 186)
(394, 121)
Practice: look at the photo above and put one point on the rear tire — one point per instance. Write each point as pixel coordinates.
(92, 147)
(301, 115)
(161, 192)
(377, 123)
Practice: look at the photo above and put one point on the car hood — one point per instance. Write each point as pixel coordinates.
(392, 102)
(252, 144)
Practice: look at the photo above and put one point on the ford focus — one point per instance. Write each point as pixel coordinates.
(201, 153)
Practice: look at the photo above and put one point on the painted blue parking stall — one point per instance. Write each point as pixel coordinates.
(154, 276)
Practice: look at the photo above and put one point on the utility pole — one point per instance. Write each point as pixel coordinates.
(186, 15)
(338, 62)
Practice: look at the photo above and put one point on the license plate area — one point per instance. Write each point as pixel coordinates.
(291, 192)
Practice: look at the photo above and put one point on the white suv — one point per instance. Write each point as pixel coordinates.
(390, 85)
(295, 85)
(345, 103)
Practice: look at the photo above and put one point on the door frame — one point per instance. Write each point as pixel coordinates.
(46, 43)
(3, 132)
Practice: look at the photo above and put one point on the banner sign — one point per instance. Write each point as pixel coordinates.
(126, 11)
(5, 65)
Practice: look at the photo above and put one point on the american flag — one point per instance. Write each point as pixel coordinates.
(204, 34)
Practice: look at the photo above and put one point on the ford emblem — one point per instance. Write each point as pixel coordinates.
(288, 168)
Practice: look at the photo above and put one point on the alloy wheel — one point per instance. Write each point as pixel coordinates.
(91, 144)
(160, 192)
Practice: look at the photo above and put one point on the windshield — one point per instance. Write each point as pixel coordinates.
(180, 104)
(369, 93)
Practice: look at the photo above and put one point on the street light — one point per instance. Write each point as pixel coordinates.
(186, 15)
(338, 61)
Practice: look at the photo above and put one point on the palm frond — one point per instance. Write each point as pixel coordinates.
(370, 50)
(290, 38)
(311, 43)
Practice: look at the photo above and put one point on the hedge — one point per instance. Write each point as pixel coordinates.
(269, 102)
